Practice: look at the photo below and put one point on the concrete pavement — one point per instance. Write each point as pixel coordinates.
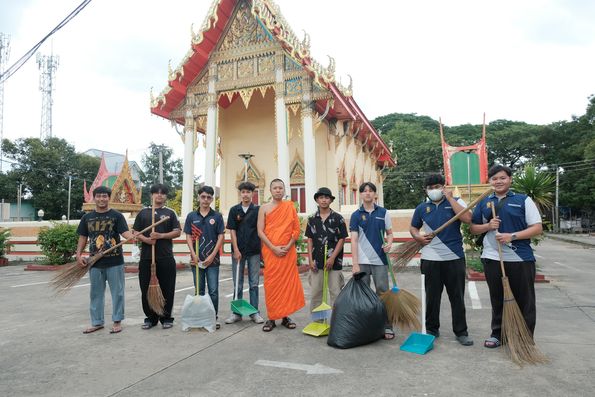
(43, 350)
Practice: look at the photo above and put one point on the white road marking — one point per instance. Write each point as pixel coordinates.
(567, 266)
(316, 369)
(475, 302)
(538, 256)
(27, 285)
(86, 285)
(246, 290)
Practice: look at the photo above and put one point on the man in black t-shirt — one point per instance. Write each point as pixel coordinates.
(325, 227)
(245, 245)
(102, 228)
(161, 238)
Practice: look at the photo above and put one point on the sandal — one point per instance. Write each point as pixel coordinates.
(288, 323)
(491, 343)
(93, 329)
(269, 325)
(389, 334)
(116, 328)
(167, 325)
(148, 325)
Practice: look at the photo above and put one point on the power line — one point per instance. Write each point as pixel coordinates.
(18, 64)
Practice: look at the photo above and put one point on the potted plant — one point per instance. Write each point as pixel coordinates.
(4, 245)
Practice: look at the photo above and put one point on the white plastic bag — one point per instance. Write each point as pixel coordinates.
(198, 312)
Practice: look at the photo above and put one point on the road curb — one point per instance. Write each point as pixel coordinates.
(571, 241)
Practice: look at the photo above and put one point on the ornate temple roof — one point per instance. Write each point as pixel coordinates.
(341, 106)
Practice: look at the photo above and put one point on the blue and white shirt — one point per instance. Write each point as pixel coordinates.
(518, 213)
(370, 228)
(448, 244)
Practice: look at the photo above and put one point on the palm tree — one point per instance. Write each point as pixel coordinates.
(536, 184)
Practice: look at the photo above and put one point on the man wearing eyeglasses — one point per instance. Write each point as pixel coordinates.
(211, 228)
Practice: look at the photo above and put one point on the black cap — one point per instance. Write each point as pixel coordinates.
(324, 191)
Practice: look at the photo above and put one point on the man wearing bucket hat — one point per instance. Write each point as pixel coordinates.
(325, 227)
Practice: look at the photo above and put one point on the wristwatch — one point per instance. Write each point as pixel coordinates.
(513, 237)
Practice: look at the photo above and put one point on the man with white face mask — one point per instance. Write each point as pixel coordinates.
(442, 257)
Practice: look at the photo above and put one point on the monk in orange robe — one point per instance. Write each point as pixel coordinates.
(278, 229)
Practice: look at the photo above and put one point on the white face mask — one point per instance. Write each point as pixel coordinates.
(435, 194)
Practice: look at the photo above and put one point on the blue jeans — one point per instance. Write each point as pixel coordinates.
(212, 278)
(253, 262)
(114, 275)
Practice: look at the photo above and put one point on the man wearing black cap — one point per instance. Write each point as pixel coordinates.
(325, 227)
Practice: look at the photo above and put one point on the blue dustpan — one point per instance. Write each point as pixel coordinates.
(420, 343)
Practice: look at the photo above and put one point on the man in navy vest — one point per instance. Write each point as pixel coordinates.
(442, 257)
(517, 220)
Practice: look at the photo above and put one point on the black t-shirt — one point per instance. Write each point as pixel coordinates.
(330, 231)
(163, 247)
(244, 223)
(103, 230)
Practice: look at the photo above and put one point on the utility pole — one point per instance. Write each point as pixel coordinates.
(4, 53)
(69, 189)
(19, 194)
(161, 164)
(557, 217)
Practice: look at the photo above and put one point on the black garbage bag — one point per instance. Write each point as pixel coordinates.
(358, 315)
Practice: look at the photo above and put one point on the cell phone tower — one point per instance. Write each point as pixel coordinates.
(4, 53)
(47, 66)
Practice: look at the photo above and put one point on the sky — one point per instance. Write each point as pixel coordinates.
(530, 60)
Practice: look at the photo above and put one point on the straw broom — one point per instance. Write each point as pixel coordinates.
(402, 307)
(155, 297)
(406, 251)
(72, 272)
(515, 333)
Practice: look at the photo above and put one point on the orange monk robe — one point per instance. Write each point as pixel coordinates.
(282, 285)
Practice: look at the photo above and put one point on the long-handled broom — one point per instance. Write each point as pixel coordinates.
(323, 311)
(402, 307)
(155, 297)
(406, 251)
(72, 272)
(515, 333)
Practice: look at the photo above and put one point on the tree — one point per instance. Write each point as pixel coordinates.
(536, 184)
(172, 170)
(43, 167)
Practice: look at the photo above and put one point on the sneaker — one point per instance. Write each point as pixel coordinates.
(217, 324)
(234, 318)
(465, 340)
(435, 333)
(257, 318)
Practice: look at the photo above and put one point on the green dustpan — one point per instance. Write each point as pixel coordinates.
(240, 306)
(317, 329)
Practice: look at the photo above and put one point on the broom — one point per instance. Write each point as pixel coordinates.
(406, 251)
(72, 272)
(515, 333)
(402, 307)
(323, 311)
(155, 297)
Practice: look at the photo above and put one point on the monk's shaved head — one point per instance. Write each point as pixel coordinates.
(277, 180)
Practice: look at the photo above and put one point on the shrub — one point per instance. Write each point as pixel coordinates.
(4, 244)
(58, 243)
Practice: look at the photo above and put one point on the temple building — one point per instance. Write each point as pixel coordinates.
(250, 92)
(466, 167)
(125, 197)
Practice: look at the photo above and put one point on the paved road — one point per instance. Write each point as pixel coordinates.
(43, 350)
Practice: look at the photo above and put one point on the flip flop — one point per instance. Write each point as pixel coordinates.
(90, 330)
(389, 334)
(167, 325)
(116, 329)
(491, 343)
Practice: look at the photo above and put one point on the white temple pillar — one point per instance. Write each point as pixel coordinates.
(281, 128)
(188, 180)
(309, 154)
(211, 134)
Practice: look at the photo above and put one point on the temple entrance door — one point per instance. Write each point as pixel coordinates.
(298, 195)
(464, 168)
